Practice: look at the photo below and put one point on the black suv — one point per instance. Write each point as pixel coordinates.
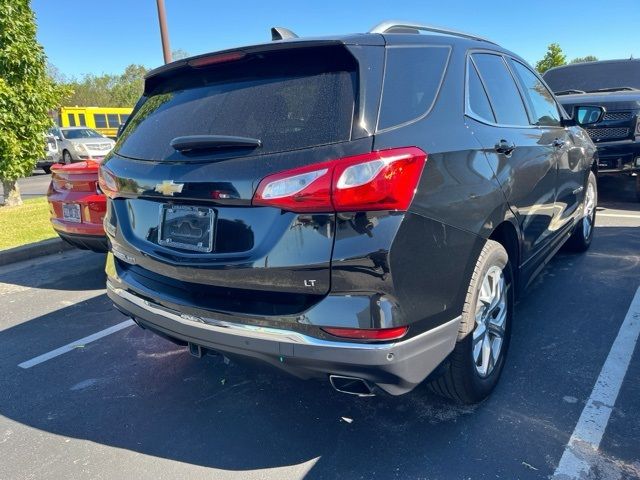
(363, 207)
(614, 85)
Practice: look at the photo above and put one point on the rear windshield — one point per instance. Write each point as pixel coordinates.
(593, 76)
(289, 100)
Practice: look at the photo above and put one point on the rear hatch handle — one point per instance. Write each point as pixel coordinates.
(207, 142)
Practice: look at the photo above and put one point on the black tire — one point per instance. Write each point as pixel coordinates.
(47, 169)
(67, 158)
(638, 187)
(461, 380)
(580, 239)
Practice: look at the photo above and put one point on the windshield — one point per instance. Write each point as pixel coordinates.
(594, 76)
(75, 133)
(288, 100)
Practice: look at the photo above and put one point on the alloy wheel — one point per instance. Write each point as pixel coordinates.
(491, 318)
(589, 211)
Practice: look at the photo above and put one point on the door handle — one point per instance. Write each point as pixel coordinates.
(558, 143)
(505, 147)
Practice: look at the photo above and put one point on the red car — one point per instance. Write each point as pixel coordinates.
(77, 205)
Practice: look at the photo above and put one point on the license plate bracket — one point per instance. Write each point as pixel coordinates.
(186, 227)
(71, 212)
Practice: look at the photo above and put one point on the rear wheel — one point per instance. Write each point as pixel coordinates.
(478, 358)
(66, 156)
(580, 240)
(47, 169)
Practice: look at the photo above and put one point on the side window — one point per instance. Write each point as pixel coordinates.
(72, 119)
(477, 96)
(501, 87)
(541, 103)
(100, 119)
(83, 123)
(114, 121)
(411, 82)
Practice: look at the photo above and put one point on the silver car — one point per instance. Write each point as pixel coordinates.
(81, 143)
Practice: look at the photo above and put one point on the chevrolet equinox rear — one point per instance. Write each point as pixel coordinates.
(362, 208)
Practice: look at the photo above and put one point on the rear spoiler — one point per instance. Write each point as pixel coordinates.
(158, 74)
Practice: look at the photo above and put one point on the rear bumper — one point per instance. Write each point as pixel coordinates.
(95, 243)
(394, 367)
(618, 157)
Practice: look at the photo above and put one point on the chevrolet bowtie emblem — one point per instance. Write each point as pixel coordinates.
(167, 187)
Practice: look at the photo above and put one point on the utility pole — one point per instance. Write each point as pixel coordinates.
(164, 33)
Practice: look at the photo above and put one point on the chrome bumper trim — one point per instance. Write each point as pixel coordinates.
(268, 333)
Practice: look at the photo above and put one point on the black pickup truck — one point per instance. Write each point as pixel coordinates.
(614, 85)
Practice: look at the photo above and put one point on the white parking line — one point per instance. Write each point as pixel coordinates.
(73, 345)
(585, 440)
(617, 215)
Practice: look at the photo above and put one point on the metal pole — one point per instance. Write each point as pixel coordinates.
(164, 33)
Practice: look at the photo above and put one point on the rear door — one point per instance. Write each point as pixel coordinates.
(547, 118)
(188, 214)
(522, 156)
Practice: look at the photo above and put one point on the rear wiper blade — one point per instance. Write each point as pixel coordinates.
(569, 92)
(613, 89)
(208, 142)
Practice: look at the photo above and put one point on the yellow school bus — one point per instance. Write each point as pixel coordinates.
(105, 120)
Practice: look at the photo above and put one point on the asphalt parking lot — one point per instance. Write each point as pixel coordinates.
(132, 405)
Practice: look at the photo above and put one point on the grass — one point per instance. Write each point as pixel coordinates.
(24, 224)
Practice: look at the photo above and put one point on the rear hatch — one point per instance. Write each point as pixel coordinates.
(185, 169)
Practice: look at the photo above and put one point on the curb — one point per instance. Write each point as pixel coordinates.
(33, 250)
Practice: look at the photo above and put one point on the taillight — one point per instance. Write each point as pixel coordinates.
(379, 334)
(107, 182)
(213, 59)
(382, 180)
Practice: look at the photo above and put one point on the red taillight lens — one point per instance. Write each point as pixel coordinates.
(107, 182)
(380, 334)
(383, 180)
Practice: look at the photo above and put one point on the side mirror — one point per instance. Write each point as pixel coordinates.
(588, 115)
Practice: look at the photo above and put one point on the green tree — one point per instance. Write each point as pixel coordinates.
(553, 58)
(27, 94)
(588, 58)
(179, 54)
(108, 90)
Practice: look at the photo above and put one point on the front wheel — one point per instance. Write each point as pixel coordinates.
(477, 360)
(66, 156)
(580, 240)
(638, 187)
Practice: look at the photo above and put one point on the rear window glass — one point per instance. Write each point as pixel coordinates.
(411, 82)
(594, 76)
(287, 99)
(503, 93)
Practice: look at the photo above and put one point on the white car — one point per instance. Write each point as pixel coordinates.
(77, 144)
(51, 153)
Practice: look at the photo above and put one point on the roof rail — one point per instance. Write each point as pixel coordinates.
(394, 26)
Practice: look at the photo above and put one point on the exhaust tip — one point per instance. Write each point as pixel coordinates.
(351, 385)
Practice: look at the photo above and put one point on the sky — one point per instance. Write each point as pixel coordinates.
(95, 37)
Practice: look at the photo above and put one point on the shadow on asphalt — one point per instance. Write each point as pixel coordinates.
(618, 192)
(59, 275)
(136, 391)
